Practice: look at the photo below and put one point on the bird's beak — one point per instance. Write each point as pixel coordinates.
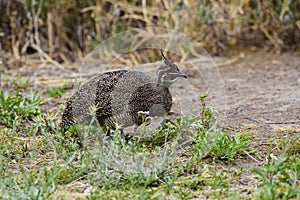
(181, 74)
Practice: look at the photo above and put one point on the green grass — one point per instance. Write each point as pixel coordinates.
(185, 159)
(279, 179)
(14, 109)
(59, 91)
(223, 147)
(19, 83)
(280, 176)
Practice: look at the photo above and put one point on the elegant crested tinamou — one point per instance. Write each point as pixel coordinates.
(119, 97)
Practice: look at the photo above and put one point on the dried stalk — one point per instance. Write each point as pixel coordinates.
(50, 34)
(98, 12)
(45, 56)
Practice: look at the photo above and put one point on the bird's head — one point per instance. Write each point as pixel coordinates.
(168, 72)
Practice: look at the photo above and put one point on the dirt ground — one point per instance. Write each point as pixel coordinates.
(266, 85)
(267, 88)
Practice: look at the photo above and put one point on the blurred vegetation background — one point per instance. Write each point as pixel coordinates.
(63, 30)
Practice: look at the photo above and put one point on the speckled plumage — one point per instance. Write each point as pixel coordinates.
(120, 95)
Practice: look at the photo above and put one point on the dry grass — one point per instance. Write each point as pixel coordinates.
(62, 31)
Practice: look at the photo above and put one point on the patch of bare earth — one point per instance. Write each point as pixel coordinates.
(267, 87)
(263, 94)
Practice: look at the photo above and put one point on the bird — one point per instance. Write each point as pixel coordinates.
(120, 97)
